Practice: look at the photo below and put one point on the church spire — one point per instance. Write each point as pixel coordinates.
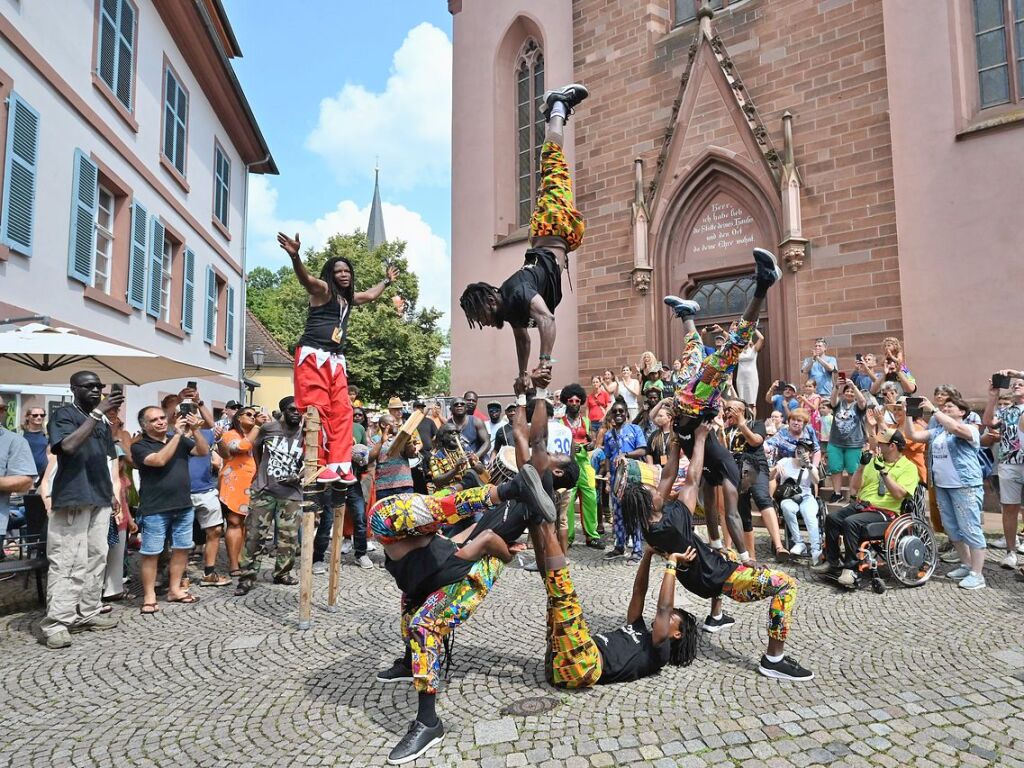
(375, 229)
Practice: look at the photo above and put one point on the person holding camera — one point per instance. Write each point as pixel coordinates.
(881, 483)
(956, 475)
(1006, 422)
(819, 367)
(236, 475)
(797, 478)
(894, 369)
(847, 437)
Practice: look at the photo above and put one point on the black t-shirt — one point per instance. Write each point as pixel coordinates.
(428, 431)
(167, 488)
(83, 477)
(629, 653)
(718, 462)
(509, 520)
(657, 447)
(540, 274)
(674, 533)
(738, 443)
(427, 569)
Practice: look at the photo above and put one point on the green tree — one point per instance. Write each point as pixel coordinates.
(387, 353)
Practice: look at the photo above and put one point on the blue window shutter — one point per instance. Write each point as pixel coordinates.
(84, 194)
(188, 292)
(20, 169)
(137, 258)
(156, 269)
(125, 77)
(210, 331)
(230, 342)
(106, 58)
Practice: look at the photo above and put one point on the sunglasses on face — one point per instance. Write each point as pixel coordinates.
(91, 385)
(573, 401)
(250, 414)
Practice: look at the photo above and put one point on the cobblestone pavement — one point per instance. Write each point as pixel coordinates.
(928, 677)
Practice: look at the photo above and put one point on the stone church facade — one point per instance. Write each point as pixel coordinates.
(717, 126)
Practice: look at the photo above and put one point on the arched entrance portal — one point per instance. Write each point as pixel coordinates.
(703, 246)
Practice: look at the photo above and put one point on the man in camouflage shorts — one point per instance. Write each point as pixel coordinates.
(276, 493)
(529, 297)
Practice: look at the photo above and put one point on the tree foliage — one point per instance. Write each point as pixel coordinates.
(388, 353)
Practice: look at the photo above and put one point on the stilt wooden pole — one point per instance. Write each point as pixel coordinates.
(333, 573)
(311, 440)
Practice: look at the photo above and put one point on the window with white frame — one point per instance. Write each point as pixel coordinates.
(105, 206)
(115, 54)
(221, 185)
(165, 282)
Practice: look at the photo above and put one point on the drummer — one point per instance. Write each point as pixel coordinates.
(449, 461)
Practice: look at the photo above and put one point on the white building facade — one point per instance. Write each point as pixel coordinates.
(125, 148)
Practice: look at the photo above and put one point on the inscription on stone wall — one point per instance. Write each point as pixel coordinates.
(723, 227)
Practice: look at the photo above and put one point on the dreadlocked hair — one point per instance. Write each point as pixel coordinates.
(682, 651)
(474, 303)
(637, 506)
(570, 475)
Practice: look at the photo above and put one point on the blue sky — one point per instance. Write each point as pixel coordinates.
(333, 85)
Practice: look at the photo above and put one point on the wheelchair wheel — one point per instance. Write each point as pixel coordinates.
(910, 550)
(878, 585)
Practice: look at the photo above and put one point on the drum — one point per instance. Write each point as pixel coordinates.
(634, 471)
(503, 466)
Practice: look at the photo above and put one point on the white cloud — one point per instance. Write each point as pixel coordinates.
(426, 251)
(408, 124)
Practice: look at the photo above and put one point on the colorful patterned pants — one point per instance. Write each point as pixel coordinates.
(413, 514)
(619, 528)
(554, 215)
(259, 524)
(693, 356)
(715, 371)
(573, 659)
(424, 627)
(748, 585)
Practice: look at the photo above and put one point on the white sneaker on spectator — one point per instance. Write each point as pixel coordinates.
(1010, 561)
(371, 545)
(346, 546)
(798, 549)
(972, 581)
(999, 543)
(364, 562)
(319, 569)
(959, 573)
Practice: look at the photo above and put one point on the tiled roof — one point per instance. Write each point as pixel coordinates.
(257, 336)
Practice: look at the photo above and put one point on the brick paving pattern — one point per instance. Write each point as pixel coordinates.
(926, 677)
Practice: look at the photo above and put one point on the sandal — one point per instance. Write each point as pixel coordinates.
(288, 580)
(119, 596)
(243, 588)
(214, 580)
(154, 606)
(187, 599)
(235, 573)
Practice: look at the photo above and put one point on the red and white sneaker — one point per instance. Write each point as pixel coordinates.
(347, 478)
(327, 475)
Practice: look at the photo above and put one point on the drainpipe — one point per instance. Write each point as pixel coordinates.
(245, 282)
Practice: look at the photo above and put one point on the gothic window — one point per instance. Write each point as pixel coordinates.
(723, 296)
(529, 85)
(686, 10)
(999, 46)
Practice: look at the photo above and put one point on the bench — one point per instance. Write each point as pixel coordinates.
(31, 546)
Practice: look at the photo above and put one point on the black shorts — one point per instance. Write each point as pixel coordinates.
(719, 465)
(757, 496)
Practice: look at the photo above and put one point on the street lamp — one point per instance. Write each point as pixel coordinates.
(258, 356)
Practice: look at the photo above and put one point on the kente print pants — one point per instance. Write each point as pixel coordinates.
(554, 214)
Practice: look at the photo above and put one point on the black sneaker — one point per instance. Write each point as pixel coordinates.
(682, 307)
(530, 490)
(398, 672)
(570, 95)
(835, 497)
(784, 669)
(614, 553)
(711, 624)
(768, 271)
(418, 740)
(595, 543)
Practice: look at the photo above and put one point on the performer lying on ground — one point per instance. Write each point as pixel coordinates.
(321, 377)
(529, 297)
(706, 379)
(667, 525)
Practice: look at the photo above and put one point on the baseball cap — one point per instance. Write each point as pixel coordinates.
(494, 404)
(233, 404)
(893, 436)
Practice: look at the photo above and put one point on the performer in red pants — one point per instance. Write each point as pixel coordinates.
(321, 379)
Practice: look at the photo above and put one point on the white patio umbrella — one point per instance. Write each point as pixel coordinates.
(39, 354)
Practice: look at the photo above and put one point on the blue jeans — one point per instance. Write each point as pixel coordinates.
(960, 509)
(808, 509)
(161, 526)
(352, 495)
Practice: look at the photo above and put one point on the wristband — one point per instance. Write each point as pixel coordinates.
(670, 567)
(521, 400)
(541, 393)
(744, 556)
(96, 415)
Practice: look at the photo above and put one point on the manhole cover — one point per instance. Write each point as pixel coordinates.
(534, 705)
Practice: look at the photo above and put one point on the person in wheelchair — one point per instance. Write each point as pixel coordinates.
(797, 478)
(880, 484)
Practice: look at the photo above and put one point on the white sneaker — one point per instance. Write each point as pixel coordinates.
(798, 549)
(371, 545)
(1010, 561)
(972, 581)
(999, 543)
(319, 569)
(847, 578)
(364, 562)
(959, 573)
(346, 546)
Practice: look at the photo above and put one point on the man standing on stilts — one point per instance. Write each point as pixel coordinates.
(321, 376)
(529, 297)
